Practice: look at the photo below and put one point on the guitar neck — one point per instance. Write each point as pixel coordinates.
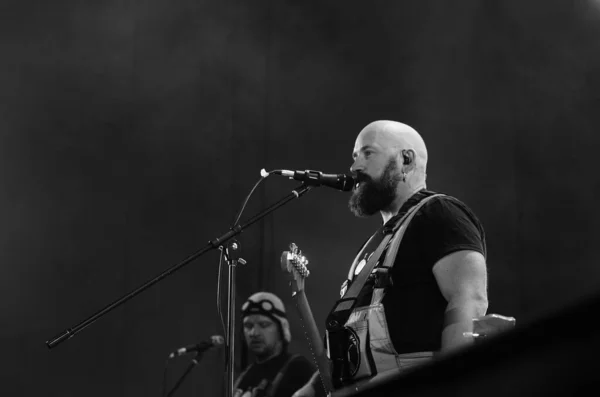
(314, 338)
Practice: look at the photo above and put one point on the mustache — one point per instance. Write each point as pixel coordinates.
(361, 177)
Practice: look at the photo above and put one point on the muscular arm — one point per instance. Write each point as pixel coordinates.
(462, 279)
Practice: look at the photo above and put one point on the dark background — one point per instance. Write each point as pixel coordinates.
(131, 132)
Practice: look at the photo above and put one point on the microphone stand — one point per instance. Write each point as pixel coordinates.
(213, 244)
(232, 257)
(187, 371)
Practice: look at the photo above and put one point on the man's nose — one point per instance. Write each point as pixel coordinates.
(357, 165)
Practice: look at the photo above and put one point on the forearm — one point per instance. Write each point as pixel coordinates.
(458, 320)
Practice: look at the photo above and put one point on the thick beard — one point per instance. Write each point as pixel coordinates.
(375, 195)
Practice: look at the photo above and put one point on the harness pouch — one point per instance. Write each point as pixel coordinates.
(358, 355)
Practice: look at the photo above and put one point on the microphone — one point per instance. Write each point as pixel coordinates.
(215, 340)
(341, 182)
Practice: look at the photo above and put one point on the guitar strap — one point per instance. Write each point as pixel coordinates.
(236, 391)
(347, 302)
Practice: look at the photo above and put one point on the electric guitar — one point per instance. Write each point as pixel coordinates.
(294, 263)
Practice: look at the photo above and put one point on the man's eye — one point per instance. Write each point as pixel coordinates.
(264, 325)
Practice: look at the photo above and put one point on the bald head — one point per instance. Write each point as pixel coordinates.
(394, 137)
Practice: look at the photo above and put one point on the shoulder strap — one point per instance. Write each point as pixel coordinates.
(239, 379)
(277, 380)
(400, 228)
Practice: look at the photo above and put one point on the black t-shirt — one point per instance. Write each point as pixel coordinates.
(414, 305)
(261, 375)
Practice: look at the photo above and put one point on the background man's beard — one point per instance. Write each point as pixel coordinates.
(375, 195)
(263, 352)
(267, 352)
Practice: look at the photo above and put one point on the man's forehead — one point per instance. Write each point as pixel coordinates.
(367, 138)
(257, 318)
(381, 135)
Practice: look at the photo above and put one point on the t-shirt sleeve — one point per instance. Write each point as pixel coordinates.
(451, 226)
(297, 374)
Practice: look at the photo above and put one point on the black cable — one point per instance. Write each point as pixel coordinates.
(263, 175)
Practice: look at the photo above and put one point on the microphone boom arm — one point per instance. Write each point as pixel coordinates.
(213, 244)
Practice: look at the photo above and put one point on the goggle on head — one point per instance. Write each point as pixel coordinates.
(264, 307)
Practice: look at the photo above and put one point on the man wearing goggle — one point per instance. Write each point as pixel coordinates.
(274, 372)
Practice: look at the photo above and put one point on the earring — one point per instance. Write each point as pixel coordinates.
(403, 176)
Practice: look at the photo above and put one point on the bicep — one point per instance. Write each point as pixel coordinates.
(462, 275)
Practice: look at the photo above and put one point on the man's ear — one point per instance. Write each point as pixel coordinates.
(408, 158)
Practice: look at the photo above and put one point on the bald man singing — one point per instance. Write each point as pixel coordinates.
(418, 282)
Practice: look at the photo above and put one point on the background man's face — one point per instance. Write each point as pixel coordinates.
(262, 335)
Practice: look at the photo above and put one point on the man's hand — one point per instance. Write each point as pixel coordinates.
(492, 324)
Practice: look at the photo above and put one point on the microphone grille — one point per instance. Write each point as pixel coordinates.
(348, 183)
(217, 340)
